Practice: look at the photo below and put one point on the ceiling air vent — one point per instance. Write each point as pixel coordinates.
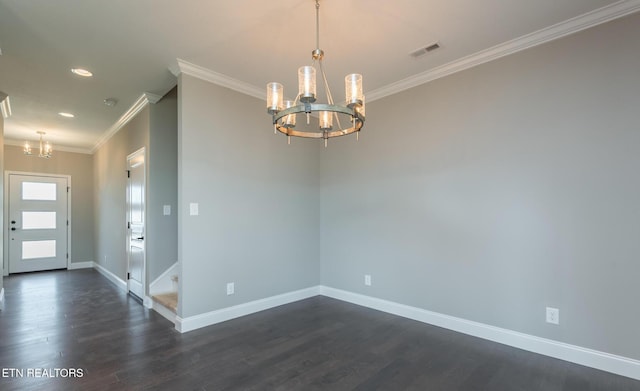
(424, 50)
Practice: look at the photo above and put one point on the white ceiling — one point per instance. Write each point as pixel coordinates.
(130, 46)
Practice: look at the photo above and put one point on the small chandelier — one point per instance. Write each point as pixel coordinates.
(46, 150)
(284, 111)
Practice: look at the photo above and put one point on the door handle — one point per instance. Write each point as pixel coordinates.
(13, 221)
(140, 238)
(13, 228)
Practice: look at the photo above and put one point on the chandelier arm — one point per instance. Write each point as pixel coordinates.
(329, 96)
(314, 58)
(317, 107)
(326, 84)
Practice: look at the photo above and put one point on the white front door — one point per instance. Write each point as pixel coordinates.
(37, 223)
(136, 223)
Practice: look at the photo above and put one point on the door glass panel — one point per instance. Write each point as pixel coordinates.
(38, 191)
(38, 220)
(38, 249)
(136, 204)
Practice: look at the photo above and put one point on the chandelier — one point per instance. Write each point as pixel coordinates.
(284, 112)
(46, 150)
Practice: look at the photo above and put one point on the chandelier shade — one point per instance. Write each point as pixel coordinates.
(284, 112)
(274, 97)
(307, 84)
(353, 88)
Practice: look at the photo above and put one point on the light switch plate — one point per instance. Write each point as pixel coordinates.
(193, 209)
(166, 210)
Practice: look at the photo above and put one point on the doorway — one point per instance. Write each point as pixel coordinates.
(136, 250)
(38, 222)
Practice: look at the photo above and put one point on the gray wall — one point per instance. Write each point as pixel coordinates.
(110, 184)
(258, 201)
(500, 190)
(155, 129)
(2, 199)
(162, 231)
(80, 167)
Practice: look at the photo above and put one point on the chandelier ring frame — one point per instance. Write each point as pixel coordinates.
(308, 108)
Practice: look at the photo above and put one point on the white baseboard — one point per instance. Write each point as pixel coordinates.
(81, 265)
(147, 302)
(190, 323)
(588, 357)
(120, 283)
(164, 284)
(165, 312)
(2, 299)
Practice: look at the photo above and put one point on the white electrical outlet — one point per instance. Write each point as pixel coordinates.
(193, 209)
(231, 288)
(553, 315)
(166, 210)
(367, 279)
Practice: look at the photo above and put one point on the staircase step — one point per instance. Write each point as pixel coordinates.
(169, 300)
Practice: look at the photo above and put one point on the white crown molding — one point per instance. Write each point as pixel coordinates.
(60, 148)
(570, 26)
(559, 30)
(152, 98)
(5, 105)
(217, 78)
(137, 106)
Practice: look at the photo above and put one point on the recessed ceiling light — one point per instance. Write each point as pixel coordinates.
(82, 72)
(68, 115)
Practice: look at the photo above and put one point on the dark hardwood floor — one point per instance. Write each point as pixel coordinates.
(77, 319)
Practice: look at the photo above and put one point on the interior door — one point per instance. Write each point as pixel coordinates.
(136, 223)
(37, 223)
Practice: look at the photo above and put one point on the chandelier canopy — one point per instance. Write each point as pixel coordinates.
(46, 150)
(284, 112)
